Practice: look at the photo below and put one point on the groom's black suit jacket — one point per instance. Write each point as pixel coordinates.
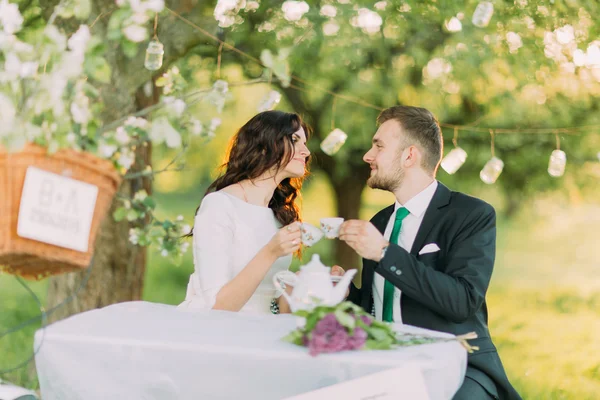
(445, 290)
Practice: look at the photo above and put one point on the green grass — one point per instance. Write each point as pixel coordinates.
(544, 300)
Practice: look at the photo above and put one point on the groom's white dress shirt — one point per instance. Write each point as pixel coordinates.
(410, 226)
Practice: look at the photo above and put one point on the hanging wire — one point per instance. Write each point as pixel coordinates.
(333, 113)
(156, 26)
(492, 147)
(219, 54)
(455, 138)
(557, 141)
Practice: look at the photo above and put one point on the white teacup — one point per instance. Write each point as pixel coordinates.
(310, 234)
(331, 227)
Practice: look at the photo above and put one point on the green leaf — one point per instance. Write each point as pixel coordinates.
(311, 321)
(378, 333)
(345, 319)
(98, 69)
(82, 9)
(149, 202)
(132, 215)
(294, 337)
(130, 49)
(120, 213)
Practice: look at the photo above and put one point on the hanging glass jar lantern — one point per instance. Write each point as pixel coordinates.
(334, 142)
(454, 160)
(154, 55)
(492, 170)
(557, 163)
(483, 14)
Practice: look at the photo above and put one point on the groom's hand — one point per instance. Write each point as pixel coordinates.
(364, 238)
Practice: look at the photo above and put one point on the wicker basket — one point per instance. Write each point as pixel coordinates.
(33, 259)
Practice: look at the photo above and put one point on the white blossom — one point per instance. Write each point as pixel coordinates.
(436, 68)
(7, 115)
(330, 28)
(196, 127)
(140, 195)
(126, 158)
(106, 150)
(10, 17)
(565, 34)
(369, 21)
(56, 37)
(135, 33)
(514, 41)
(121, 136)
(78, 42)
(174, 105)
(294, 10)
(328, 11)
(226, 10)
(136, 122)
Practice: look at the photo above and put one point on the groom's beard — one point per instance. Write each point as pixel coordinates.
(389, 182)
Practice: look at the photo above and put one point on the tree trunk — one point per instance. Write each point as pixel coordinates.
(118, 267)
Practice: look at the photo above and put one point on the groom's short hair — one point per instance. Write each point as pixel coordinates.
(421, 126)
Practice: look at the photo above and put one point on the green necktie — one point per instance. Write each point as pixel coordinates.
(388, 289)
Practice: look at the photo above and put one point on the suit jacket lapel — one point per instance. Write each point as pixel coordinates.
(434, 211)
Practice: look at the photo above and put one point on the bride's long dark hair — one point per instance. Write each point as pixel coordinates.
(263, 143)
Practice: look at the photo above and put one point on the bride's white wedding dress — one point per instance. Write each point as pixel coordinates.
(228, 233)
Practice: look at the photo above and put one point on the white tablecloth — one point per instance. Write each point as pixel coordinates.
(142, 350)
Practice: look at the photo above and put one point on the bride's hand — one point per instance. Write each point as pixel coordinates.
(286, 241)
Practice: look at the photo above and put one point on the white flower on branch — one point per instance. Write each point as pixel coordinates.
(121, 136)
(106, 150)
(175, 106)
(140, 195)
(11, 43)
(162, 131)
(328, 11)
(126, 158)
(133, 236)
(78, 42)
(330, 28)
(7, 115)
(56, 37)
(514, 41)
(369, 21)
(436, 68)
(135, 33)
(226, 11)
(196, 127)
(294, 10)
(10, 17)
(136, 122)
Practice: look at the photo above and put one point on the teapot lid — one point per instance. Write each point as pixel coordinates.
(314, 264)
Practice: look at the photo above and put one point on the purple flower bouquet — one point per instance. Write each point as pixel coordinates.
(330, 329)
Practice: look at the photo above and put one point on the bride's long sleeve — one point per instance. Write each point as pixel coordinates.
(213, 246)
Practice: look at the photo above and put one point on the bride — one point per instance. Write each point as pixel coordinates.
(248, 225)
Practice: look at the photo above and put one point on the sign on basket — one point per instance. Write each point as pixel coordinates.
(56, 210)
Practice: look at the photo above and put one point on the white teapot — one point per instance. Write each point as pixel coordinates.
(313, 285)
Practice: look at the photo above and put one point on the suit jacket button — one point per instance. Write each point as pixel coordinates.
(398, 272)
(392, 268)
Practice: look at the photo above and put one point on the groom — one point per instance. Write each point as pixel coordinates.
(428, 258)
